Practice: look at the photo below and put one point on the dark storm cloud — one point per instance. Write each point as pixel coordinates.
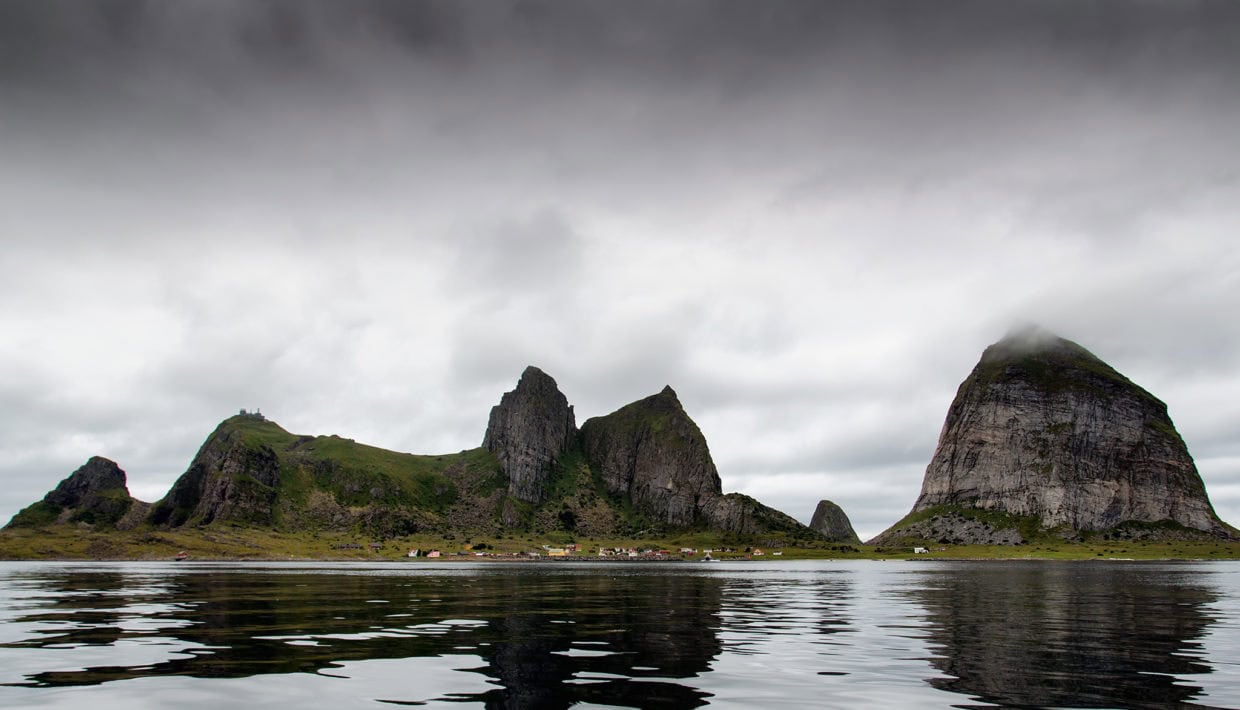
(1145, 43)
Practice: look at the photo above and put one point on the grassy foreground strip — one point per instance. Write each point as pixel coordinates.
(243, 543)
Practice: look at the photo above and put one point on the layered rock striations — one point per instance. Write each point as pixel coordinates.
(528, 431)
(1042, 428)
(95, 494)
(832, 523)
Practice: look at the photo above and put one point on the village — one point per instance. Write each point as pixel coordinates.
(574, 551)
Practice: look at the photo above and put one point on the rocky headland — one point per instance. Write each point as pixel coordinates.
(645, 470)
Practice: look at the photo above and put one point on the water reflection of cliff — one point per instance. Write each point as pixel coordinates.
(545, 640)
(1081, 635)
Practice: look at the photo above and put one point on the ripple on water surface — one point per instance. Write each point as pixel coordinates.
(787, 634)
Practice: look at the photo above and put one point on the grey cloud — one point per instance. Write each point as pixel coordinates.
(368, 217)
(539, 255)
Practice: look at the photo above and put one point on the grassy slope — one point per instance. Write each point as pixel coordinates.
(354, 472)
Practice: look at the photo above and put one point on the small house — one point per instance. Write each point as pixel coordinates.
(920, 551)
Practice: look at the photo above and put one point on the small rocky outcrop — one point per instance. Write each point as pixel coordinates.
(228, 480)
(528, 431)
(1042, 428)
(830, 521)
(95, 494)
(738, 513)
(651, 452)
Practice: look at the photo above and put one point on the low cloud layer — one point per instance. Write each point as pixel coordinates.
(809, 218)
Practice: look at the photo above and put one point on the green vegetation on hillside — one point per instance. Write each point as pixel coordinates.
(933, 527)
(36, 515)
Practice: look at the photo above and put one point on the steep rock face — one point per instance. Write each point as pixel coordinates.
(228, 480)
(528, 431)
(1043, 428)
(830, 521)
(653, 453)
(95, 494)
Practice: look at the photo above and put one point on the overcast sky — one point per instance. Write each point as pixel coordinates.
(808, 218)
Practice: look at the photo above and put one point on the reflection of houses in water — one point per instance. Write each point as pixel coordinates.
(1076, 635)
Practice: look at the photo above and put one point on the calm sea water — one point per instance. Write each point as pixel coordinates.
(677, 635)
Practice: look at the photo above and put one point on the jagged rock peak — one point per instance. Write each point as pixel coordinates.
(94, 494)
(1043, 428)
(95, 476)
(667, 391)
(832, 523)
(652, 452)
(528, 431)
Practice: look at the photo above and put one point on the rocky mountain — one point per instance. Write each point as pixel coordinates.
(643, 469)
(652, 455)
(830, 521)
(229, 479)
(250, 471)
(1043, 435)
(529, 430)
(95, 494)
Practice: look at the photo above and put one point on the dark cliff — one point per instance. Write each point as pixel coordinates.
(652, 453)
(1043, 429)
(228, 480)
(95, 494)
(528, 431)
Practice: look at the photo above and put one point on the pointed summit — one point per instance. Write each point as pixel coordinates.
(95, 494)
(652, 452)
(528, 431)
